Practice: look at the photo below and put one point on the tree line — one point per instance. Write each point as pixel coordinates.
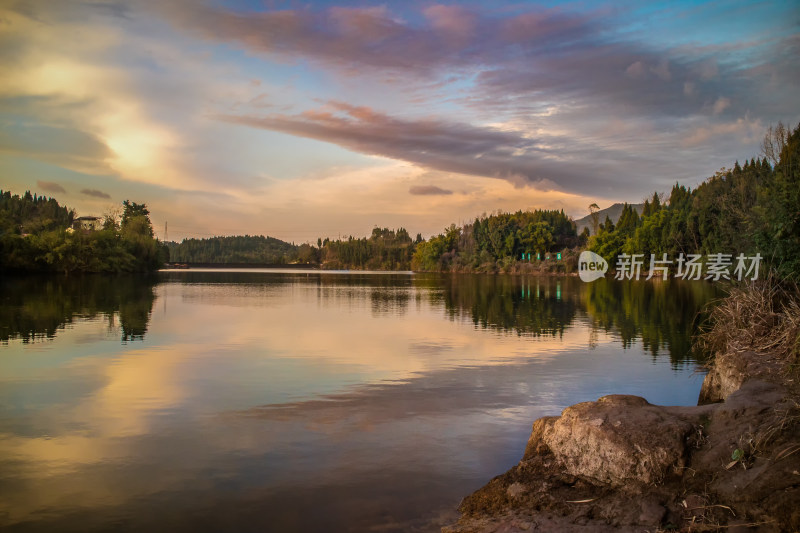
(384, 249)
(490, 243)
(498, 242)
(748, 209)
(36, 235)
(254, 249)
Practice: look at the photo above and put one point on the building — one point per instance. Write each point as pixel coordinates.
(87, 223)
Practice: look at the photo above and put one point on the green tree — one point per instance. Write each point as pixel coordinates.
(136, 219)
(777, 215)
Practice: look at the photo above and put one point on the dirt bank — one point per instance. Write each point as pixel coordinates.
(731, 463)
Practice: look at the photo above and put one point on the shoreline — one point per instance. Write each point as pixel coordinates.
(622, 464)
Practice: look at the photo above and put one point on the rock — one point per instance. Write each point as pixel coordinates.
(732, 370)
(536, 445)
(615, 440)
(621, 464)
(725, 377)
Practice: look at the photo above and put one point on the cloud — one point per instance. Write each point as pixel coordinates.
(746, 130)
(63, 146)
(438, 144)
(559, 77)
(707, 69)
(636, 71)
(375, 40)
(95, 193)
(662, 70)
(543, 55)
(50, 186)
(721, 105)
(122, 103)
(455, 24)
(428, 190)
(369, 36)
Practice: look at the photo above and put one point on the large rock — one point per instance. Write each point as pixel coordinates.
(615, 440)
(607, 465)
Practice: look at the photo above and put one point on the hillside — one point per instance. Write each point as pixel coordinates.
(612, 212)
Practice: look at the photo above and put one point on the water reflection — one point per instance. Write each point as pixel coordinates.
(37, 307)
(529, 306)
(662, 315)
(260, 401)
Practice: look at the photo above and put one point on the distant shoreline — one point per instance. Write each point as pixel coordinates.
(200, 267)
(299, 269)
(190, 266)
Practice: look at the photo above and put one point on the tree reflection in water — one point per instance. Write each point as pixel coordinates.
(663, 315)
(37, 307)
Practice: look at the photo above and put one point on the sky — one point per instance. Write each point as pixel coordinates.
(301, 120)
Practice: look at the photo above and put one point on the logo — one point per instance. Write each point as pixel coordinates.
(591, 266)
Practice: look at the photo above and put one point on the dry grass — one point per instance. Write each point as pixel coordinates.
(785, 418)
(762, 316)
(700, 515)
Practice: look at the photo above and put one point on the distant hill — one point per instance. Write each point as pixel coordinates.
(255, 249)
(612, 212)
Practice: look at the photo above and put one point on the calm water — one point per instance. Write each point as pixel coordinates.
(293, 401)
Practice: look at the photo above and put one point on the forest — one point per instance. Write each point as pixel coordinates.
(37, 235)
(384, 249)
(748, 209)
(498, 242)
(253, 249)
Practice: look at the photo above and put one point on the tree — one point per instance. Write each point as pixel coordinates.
(542, 237)
(112, 216)
(775, 140)
(136, 219)
(777, 214)
(583, 238)
(593, 210)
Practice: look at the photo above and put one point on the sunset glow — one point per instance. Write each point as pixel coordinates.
(298, 122)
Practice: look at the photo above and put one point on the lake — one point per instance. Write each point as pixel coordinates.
(306, 401)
